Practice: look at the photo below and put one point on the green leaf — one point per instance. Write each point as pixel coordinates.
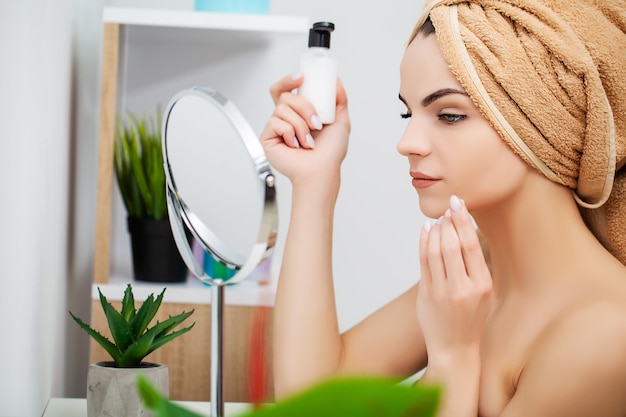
(138, 172)
(361, 397)
(143, 317)
(146, 313)
(120, 163)
(102, 341)
(157, 186)
(157, 304)
(171, 323)
(128, 304)
(137, 208)
(150, 396)
(139, 166)
(134, 354)
(120, 329)
(341, 397)
(155, 401)
(168, 338)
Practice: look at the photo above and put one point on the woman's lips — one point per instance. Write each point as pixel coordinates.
(421, 180)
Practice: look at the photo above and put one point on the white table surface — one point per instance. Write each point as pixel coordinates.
(77, 407)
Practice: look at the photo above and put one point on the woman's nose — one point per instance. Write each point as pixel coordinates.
(414, 141)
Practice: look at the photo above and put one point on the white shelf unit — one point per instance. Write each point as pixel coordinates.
(193, 291)
(206, 20)
(148, 56)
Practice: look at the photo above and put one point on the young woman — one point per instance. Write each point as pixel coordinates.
(516, 115)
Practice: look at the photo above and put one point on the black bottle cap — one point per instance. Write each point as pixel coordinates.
(319, 34)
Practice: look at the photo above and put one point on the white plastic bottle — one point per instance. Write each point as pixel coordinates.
(319, 70)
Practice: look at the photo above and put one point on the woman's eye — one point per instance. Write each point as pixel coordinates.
(451, 118)
(406, 115)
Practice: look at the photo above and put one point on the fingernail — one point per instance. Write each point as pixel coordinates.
(296, 143)
(455, 204)
(439, 220)
(316, 122)
(310, 141)
(447, 213)
(427, 226)
(296, 76)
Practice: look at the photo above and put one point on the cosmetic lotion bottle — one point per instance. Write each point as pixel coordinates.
(319, 69)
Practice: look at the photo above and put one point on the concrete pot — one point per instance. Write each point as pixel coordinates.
(112, 392)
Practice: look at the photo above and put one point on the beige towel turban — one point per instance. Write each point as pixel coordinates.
(550, 75)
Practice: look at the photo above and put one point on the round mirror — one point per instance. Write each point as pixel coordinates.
(219, 184)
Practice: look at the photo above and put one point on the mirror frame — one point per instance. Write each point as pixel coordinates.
(181, 216)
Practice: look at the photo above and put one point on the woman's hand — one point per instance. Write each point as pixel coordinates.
(453, 303)
(295, 141)
(454, 298)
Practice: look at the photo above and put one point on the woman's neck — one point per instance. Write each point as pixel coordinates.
(536, 238)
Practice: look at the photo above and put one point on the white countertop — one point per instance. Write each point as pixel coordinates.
(77, 407)
(192, 291)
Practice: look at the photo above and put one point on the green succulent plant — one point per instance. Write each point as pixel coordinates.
(138, 163)
(133, 340)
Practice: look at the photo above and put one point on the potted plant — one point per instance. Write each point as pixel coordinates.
(111, 389)
(140, 174)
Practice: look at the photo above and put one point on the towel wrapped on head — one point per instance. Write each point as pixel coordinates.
(550, 76)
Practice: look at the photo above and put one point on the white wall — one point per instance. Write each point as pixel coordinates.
(49, 84)
(377, 216)
(87, 41)
(35, 45)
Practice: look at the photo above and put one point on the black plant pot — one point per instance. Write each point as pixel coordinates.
(155, 255)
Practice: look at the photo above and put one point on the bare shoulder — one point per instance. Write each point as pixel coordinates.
(577, 367)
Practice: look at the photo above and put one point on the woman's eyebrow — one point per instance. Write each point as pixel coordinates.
(429, 99)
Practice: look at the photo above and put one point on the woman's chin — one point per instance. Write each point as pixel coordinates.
(432, 210)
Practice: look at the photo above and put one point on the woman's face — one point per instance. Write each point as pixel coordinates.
(451, 147)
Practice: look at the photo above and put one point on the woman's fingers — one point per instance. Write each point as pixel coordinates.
(292, 110)
(473, 256)
(278, 130)
(300, 113)
(282, 93)
(289, 114)
(435, 260)
(286, 84)
(451, 252)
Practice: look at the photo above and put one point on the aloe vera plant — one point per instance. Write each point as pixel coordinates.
(138, 163)
(133, 340)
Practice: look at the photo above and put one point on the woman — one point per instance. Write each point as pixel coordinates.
(516, 114)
